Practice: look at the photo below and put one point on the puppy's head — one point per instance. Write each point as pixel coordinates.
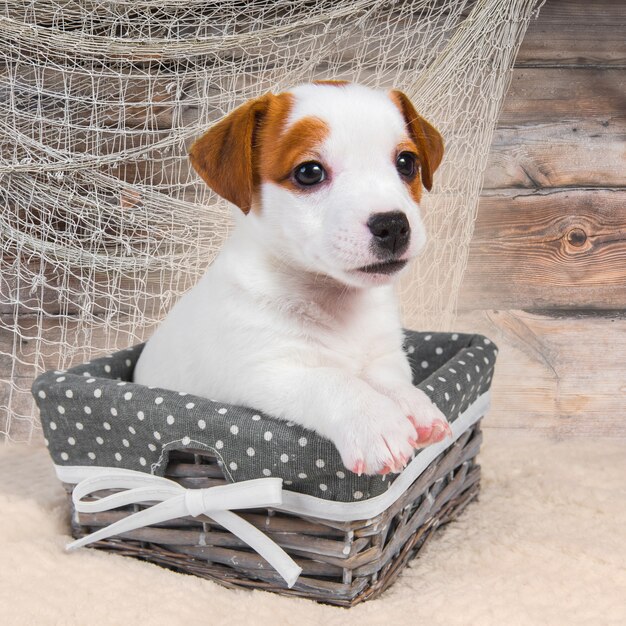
(331, 174)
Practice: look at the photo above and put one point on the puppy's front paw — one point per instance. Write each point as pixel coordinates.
(430, 423)
(377, 438)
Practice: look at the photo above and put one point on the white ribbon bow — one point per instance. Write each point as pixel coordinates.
(175, 501)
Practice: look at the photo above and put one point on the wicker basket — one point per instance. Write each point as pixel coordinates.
(350, 535)
(343, 563)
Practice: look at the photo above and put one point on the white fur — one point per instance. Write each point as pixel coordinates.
(326, 231)
(284, 323)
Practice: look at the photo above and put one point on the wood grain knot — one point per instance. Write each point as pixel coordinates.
(576, 237)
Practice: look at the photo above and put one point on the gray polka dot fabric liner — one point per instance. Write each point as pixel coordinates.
(93, 415)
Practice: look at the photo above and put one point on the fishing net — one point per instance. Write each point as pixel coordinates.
(103, 224)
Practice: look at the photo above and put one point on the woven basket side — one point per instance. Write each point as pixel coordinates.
(343, 562)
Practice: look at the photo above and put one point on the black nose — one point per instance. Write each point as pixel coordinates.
(391, 232)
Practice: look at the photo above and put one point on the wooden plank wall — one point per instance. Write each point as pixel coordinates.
(546, 277)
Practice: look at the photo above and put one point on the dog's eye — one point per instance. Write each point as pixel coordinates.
(309, 173)
(406, 164)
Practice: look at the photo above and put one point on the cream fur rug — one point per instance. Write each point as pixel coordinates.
(546, 544)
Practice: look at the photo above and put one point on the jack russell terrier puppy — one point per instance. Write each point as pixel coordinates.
(297, 316)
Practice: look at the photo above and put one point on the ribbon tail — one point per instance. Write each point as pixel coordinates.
(175, 502)
(261, 543)
(161, 512)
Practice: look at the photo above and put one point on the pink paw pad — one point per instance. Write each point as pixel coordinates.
(359, 467)
(424, 433)
(441, 430)
(438, 432)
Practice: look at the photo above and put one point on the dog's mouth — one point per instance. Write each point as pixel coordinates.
(387, 267)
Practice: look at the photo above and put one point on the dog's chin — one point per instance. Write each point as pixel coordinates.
(374, 274)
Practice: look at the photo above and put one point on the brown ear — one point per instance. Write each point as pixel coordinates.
(225, 155)
(428, 140)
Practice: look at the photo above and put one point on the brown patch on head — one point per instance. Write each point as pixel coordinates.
(282, 149)
(332, 83)
(426, 138)
(415, 185)
(251, 145)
